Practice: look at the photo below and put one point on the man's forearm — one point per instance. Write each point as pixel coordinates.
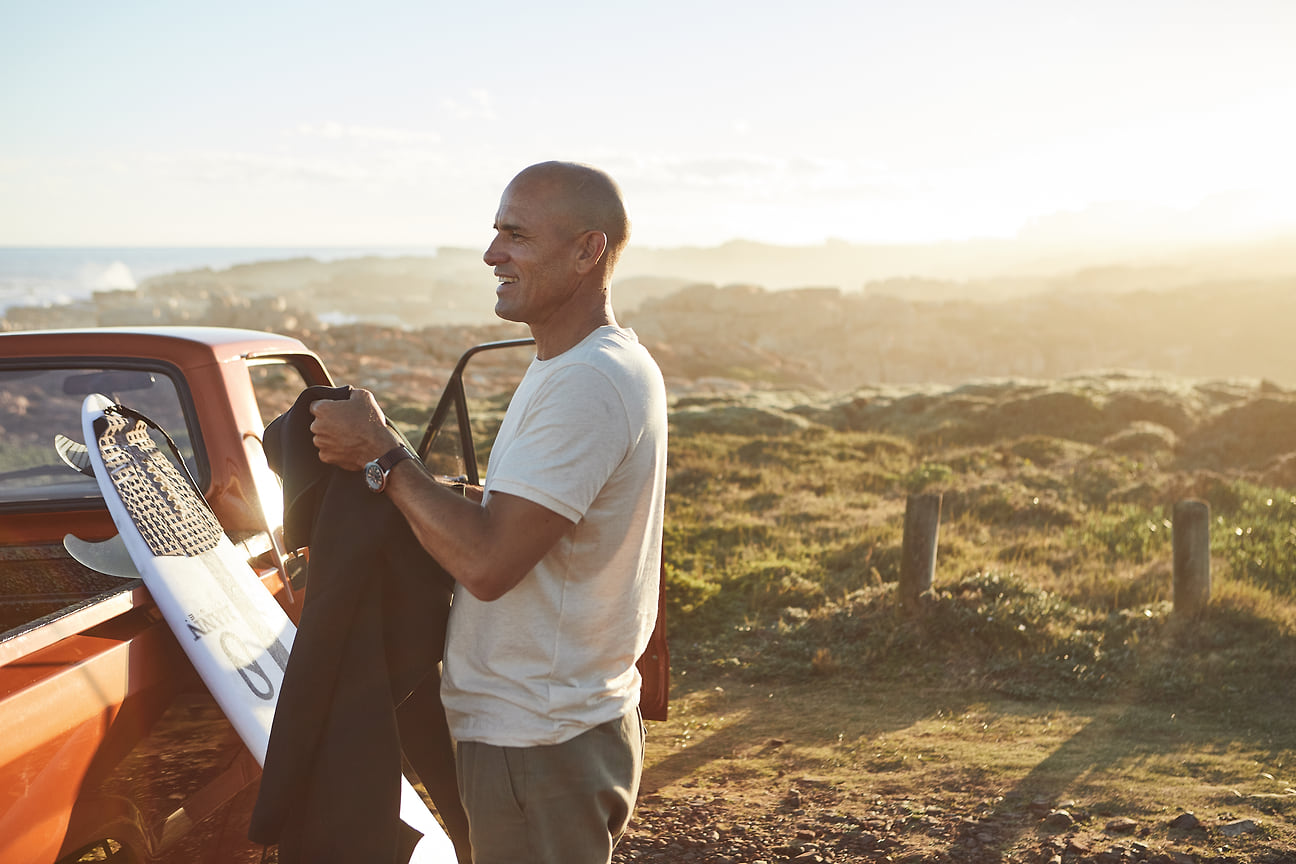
(486, 548)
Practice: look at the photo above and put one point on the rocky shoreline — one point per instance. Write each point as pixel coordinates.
(734, 338)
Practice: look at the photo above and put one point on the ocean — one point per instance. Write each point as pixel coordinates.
(49, 275)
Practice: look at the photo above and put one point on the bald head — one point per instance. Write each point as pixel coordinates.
(589, 197)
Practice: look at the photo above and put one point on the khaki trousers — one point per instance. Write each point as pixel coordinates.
(563, 803)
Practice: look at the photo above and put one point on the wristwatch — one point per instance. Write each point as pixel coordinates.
(375, 472)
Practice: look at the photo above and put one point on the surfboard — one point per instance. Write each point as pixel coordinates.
(230, 626)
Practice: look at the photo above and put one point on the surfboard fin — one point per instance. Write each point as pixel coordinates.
(105, 556)
(74, 454)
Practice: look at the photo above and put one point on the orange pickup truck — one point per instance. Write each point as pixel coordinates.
(111, 749)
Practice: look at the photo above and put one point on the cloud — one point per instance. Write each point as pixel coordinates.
(767, 177)
(221, 167)
(712, 198)
(334, 131)
(478, 105)
(403, 157)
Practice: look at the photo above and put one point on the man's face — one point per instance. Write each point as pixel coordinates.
(533, 252)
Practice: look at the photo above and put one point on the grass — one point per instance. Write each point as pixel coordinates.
(782, 557)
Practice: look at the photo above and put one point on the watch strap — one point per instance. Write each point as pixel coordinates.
(393, 457)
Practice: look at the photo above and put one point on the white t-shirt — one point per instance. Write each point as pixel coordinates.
(584, 436)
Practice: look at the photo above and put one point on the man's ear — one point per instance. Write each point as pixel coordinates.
(589, 250)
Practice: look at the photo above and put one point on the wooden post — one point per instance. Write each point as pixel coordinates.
(918, 552)
(1192, 576)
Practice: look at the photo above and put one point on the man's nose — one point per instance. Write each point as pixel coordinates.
(493, 255)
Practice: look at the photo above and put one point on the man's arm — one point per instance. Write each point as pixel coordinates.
(487, 548)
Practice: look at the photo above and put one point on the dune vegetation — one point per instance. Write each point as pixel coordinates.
(1057, 502)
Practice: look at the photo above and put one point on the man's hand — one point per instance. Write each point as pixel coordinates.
(348, 433)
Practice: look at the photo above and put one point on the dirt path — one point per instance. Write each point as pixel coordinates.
(816, 773)
(815, 826)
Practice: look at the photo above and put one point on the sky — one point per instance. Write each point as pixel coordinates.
(395, 122)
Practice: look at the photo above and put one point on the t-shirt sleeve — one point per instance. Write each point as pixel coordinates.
(573, 436)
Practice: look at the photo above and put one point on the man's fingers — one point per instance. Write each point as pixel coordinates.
(349, 432)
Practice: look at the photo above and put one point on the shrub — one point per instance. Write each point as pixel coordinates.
(1126, 534)
(1044, 450)
(1008, 505)
(926, 475)
(686, 592)
(1257, 538)
(1143, 438)
(1248, 435)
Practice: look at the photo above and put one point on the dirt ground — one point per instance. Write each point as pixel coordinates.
(827, 773)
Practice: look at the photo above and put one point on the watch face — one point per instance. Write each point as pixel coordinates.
(374, 476)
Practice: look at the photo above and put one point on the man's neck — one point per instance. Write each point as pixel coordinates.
(557, 337)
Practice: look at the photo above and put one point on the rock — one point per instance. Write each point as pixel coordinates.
(1121, 826)
(1239, 827)
(1186, 822)
(1059, 820)
(1171, 858)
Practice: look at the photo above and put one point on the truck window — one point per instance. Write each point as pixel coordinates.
(276, 383)
(38, 404)
(38, 582)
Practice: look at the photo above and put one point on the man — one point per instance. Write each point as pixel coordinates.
(557, 565)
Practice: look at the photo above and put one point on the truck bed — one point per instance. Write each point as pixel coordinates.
(40, 583)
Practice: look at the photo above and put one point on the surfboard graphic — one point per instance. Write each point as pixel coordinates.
(232, 629)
